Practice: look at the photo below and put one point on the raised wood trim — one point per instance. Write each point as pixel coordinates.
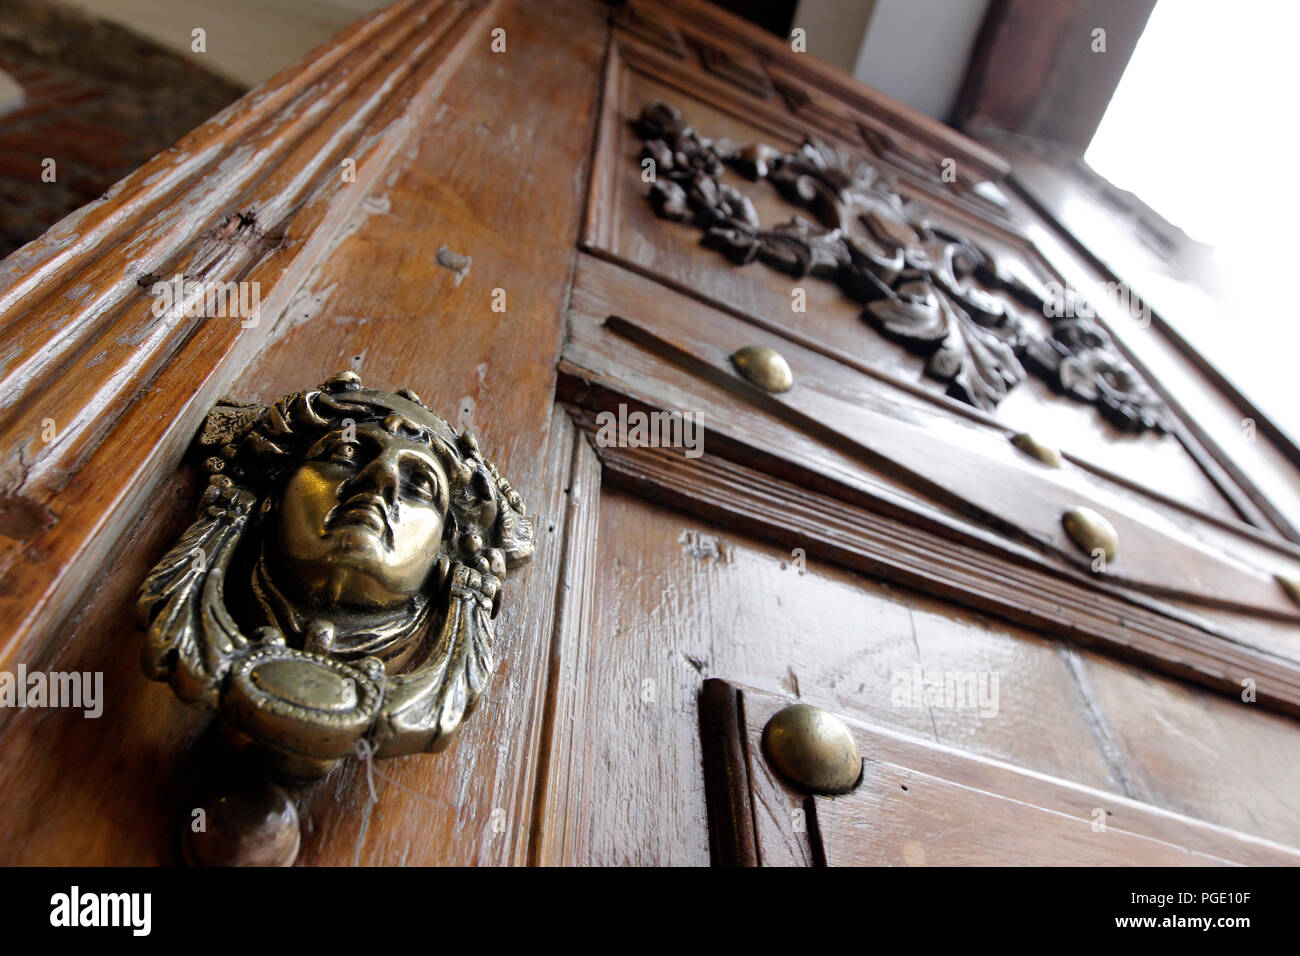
(1159, 562)
(727, 785)
(1136, 831)
(794, 511)
(255, 195)
(560, 804)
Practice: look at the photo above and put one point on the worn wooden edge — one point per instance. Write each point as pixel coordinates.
(857, 488)
(23, 272)
(1262, 596)
(935, 560)
(988, 775)
(150, 433)
(174, 217)
(727, 786)
(785, 821)
(548, 602)
(596, 226)
(558, 807)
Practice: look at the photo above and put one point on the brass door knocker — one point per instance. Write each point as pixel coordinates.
(337, 591)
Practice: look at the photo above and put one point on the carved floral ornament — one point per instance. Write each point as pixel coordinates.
(336, 593)
(934, 291)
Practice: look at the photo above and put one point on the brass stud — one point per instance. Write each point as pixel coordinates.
(1034, 448)
(765, 367)
(813, 749)
(246, 822)
(1091, 532)
(1291, 586)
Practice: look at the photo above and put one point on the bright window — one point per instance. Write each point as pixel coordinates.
(1202, 128)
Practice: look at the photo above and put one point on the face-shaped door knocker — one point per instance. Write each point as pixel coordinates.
(339, 585)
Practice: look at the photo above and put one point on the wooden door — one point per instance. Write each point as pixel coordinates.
(558, 224)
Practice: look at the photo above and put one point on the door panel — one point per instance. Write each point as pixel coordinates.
(923, 805)
(440, 208)
(626, 230)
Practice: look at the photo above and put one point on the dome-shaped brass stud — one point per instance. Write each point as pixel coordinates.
(248, 822)
(813, 749)
(1034, 448)
(1291, 586)
(765, 367)
(1091, 532)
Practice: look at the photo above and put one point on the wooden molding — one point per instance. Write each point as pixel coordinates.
(256, 195)
(915, 798)
(1036, 242)
(727, 785)
(793, 511)
(560, 806)
(992, 483)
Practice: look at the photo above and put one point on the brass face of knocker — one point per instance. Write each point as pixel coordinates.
(336, 594)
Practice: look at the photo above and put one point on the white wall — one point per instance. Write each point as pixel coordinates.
(917, 51)
(248, 41)
(834, 29)
(913, 50)
(11, 94)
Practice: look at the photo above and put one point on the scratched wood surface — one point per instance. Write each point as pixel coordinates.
(923, 804)
(679, 600)
(651, 575)
(683, 600)
(468, 174)
(257, 195)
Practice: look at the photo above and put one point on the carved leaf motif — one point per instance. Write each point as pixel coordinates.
(932, 290)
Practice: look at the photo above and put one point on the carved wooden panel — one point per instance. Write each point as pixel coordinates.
(1046, 372)
(872, 520)
(356, 282)
(736, 66)
(668, 373)
(934, 290)
(652, 29)
(919, 804)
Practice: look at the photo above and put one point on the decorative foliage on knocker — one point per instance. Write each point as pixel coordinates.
(933, 291)
(336, 593)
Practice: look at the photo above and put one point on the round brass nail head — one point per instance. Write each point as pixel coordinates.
(249, 822)
(765, 367)
(1034, 448)
(1091, 532)
(813, 749)
(1291, 586)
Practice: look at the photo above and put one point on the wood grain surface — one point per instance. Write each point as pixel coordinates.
(921, 804)
(863, 532)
